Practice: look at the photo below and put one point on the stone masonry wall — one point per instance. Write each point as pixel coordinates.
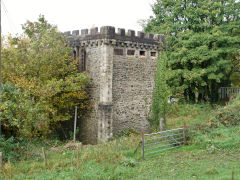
(89, 123)
(96, 125)
(133, 83)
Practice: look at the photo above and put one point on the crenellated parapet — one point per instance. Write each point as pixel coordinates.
(108, 35)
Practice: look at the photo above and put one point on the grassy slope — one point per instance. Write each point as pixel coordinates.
(210, 157)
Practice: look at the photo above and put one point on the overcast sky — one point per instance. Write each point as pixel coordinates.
(71, 15)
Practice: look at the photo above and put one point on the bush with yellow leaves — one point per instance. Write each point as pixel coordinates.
(42, 81)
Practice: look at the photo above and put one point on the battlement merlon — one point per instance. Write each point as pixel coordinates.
(108, 32)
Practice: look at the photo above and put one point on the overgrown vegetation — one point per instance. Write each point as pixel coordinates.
(105, 162)
(20, 149)
(212, 153)
(228, 115)
(221, 130)
(41, 80)
(161, 94)
(203, 39)
(42, 85)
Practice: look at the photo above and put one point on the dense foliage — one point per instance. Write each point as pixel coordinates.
(41, 81)
(161, 93)
(15, 149)
(235, 76)
(203, 40)
(228, 115)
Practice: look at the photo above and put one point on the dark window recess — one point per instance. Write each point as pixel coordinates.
(153, 54)
(74, 54)
(118, 51)
(77, 53)
(83, 53)
(130, 52)
(142, 53)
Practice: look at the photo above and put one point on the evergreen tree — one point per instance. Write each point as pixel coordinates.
(203, 38)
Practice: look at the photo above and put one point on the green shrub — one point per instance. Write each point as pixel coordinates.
(14, 149)
(228, 115)
(19, 113)
(128, 162)
(220, 138)
(9, 148)
(221, 131)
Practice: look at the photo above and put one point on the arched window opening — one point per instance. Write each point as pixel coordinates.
(83, 53)
(74, 54)
(77, 53)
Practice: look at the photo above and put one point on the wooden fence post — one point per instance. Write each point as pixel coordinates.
(232, 175)
(117, 145)
(139, 144)
(184, 133)
(1, 165)
(142, 144)
(78, 151)
(75, 125)
(44, 157)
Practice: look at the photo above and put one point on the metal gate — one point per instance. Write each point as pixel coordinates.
(164, 140)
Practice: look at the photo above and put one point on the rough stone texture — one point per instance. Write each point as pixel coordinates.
(122, 85)
(89, 124)
(133, 83)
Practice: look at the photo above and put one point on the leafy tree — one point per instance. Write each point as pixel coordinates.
(203, 38)
(40, 66)
(235, 76)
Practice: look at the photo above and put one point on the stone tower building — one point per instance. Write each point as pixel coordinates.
(121, 66)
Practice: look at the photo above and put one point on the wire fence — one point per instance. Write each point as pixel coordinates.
(164, 140)
(227, 92)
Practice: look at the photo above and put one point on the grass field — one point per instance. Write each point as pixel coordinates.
(212, 155)
(106, 162)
